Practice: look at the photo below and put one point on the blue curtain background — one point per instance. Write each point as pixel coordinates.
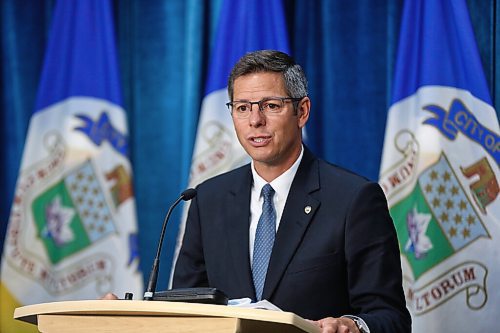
(347, 49)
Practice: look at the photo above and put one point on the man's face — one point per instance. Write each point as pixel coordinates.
(272, 141)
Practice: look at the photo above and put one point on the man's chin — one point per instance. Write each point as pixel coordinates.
(260, 154)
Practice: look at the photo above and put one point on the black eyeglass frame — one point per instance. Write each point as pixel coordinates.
(295, 101)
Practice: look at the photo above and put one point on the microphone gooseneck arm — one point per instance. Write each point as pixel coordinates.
(153, 277)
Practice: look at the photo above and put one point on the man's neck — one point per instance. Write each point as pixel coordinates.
(270, 172)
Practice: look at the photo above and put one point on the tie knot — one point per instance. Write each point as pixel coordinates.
(267, 191)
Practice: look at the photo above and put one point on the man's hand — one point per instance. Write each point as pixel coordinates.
(337, 325)
(109, 296)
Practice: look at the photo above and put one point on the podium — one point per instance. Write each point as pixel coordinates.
(127, 316)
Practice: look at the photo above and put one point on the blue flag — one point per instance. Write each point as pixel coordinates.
(440, 171)
(72, 228)
(244, 26)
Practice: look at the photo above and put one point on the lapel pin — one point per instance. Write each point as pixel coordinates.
(307, 209)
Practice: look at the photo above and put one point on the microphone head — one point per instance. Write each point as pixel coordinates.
(188, 194)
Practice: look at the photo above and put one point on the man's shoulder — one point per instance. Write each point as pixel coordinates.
(329, 172)
(227, 179)
(337, 172)
(335, 181)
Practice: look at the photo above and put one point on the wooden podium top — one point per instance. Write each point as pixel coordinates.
(30, 313)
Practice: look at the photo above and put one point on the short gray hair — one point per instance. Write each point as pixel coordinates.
(271, 61)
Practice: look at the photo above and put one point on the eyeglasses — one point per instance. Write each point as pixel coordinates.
(268, 105)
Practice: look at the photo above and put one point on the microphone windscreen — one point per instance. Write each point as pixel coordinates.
(188, 194)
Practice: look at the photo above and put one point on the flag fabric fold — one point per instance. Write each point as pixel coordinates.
(440, 171)
(72, 230)
(243, 26)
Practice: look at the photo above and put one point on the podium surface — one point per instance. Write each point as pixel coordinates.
(154, 316)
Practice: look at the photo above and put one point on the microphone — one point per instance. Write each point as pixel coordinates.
(187, 195)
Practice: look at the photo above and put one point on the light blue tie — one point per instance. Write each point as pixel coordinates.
(264, 240)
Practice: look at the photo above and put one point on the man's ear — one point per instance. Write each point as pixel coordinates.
(303, 109)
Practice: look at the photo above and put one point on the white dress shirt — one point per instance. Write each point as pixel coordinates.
(281, 186)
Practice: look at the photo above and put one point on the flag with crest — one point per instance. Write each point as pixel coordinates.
(440, 171)
(72, 232)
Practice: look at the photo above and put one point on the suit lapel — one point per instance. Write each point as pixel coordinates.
(299, 210)
(237, 225)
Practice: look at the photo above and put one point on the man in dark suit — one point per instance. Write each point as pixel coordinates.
(308, 236)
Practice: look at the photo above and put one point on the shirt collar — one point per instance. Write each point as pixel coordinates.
(283, 182)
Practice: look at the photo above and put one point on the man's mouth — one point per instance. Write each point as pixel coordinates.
(260, 140)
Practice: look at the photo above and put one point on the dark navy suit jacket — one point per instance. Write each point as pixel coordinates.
(340, 256)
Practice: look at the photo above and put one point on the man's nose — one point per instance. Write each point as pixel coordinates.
(257, 117)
